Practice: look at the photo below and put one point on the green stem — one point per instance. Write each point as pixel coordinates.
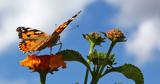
(43, 77)
(94, 80)
(96, 76)
(86, 76)
(110, 48)
(108, 71)
(92, 45)
(108, 53)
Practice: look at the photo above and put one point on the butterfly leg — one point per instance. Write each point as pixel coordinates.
(50, 50)
(60, 47)
(29, 53)
(37, 52)
(60, 43)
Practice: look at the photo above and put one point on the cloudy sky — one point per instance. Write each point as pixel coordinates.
(138, 19)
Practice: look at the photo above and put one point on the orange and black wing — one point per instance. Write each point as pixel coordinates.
(30, 39)
(65, 24)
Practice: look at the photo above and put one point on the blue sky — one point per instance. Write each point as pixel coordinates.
(138, 19)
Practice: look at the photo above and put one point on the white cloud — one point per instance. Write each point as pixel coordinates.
(132, 12)
(145, 40)
(41, 14)
(144, 14)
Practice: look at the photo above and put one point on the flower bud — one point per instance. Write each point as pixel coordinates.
(94, 38)
(115, 35)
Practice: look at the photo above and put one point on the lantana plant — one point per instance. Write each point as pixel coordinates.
(98, 64)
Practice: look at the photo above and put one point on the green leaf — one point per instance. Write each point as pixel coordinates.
(131, 72)
(72, 55)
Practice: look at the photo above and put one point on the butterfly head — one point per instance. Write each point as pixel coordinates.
(21, 29)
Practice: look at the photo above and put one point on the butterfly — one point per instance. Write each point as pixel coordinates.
(32, 40)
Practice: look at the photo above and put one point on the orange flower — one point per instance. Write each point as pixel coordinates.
(43, 63)
(116, 35)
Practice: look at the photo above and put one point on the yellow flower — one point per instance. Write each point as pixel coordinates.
(43, 63)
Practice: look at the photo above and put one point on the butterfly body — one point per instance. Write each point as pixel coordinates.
(32, 40)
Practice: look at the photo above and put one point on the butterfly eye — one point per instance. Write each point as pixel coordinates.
(18, 29)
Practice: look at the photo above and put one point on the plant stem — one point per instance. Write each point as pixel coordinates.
(97, 74)
(86, 76)
(43, 77)
(108, 71)
(95, 78)
(111, 47)
(108, 53)
(92, 45)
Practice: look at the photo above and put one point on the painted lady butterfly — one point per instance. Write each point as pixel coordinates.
(32, 40)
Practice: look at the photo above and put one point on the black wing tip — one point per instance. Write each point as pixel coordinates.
(77, 14)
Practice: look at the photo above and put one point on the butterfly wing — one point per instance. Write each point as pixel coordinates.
(65, 24)
(31, 39)
(56, 34)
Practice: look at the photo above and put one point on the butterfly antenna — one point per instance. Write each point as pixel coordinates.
(60, 47)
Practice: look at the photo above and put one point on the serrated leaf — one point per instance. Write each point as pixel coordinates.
(131, 72)
(72, 55)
